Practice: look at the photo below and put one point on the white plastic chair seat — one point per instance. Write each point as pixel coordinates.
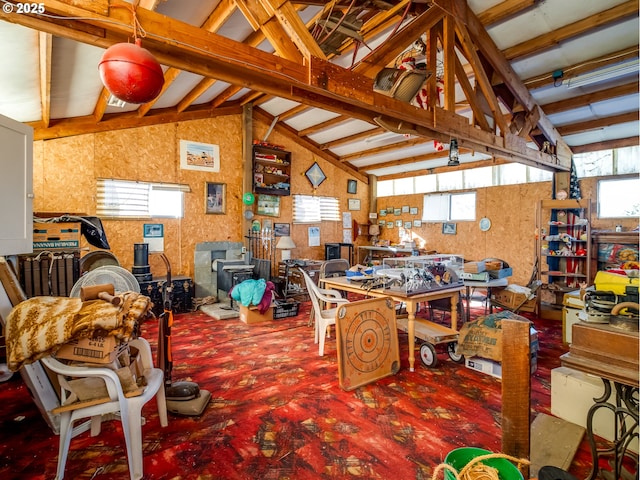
(323, 318)
(129, 408)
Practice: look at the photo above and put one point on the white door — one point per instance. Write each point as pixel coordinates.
(16, 187)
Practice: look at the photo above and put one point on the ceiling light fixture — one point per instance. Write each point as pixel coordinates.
(454, 153)
(604, 74)
(387, 136)
(115, 102)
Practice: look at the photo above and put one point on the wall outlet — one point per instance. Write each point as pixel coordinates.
(244, 249)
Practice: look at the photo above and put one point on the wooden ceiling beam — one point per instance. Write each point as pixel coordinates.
(87, 124)
(323, 125)
(470, 94)
(608, 145)
(394, 45)
(521, 93)
(45, 41)
(290, 21)
(504, 10)
(589, 98)
(482, 80)
(319, 83)
(599, 123)
(573, 30)
(400, 144)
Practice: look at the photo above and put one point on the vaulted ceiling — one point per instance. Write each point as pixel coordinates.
(510, 80)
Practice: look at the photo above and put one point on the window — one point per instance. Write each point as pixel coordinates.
(310, 209)
(618, 198)
(445, 207)
(128, 199)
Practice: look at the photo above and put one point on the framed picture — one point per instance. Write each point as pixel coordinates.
(449, 228)
(352, 186)
(397, 211)
(268, 205)
(199, 156)
(282, 229)
(390, 210)
(413, 210)
(405, 209)
(354, 204)
(398, 223)
(407, 225)
(389, 224)
(417, 223)
(383, 213)
(215, 198)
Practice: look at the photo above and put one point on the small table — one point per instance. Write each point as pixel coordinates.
(489, 284)
(411, 301)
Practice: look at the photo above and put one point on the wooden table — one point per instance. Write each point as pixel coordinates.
(411, 302)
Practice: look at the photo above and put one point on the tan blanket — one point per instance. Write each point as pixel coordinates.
(40, 325)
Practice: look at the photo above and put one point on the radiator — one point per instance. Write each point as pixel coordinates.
(49, 274)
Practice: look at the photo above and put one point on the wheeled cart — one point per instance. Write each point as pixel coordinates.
(432, 334)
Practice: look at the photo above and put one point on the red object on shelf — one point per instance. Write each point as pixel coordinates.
(131, 73)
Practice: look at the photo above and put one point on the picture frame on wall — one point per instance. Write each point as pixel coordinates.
(282, 229)
(352, 186)
(268, 205)
(199, 156)
(215, 199)
(354, 204)
(417, 223)
(405, 209)
(413, 210)
(449, 228)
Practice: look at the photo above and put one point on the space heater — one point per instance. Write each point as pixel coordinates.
(400, 84)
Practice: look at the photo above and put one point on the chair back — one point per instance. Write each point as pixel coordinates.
(312, 290)
(334, 268)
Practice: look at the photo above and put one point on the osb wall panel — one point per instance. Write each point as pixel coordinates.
(335, 185)
(66, 179)
(65, 172)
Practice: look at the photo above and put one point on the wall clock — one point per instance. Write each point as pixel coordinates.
(315, 175)
(485, 224)
(367, 342)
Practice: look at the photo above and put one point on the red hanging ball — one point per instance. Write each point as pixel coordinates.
(131, 73)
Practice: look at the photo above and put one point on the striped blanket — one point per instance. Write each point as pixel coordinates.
(40, 325)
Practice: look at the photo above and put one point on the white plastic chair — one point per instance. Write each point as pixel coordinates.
(129, 408)
(323, 318)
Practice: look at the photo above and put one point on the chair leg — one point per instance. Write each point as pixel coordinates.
(322, 335)
(162, 406)
(65, 440)
(132, 429)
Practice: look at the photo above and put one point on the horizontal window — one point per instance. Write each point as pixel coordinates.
(129, 199)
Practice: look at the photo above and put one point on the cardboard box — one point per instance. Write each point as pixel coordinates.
(474, 267)
(91, 350)
(251, 315)
(493, 368)
(56, 236)
(511, 300)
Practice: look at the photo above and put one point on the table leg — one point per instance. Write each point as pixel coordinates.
(455, 298)
(411, 332)
(467, 313)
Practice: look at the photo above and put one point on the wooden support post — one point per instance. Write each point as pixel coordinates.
(516, 389)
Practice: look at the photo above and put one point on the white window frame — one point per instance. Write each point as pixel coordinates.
(315, 209)
(438, 207)
(619, 202)
(127, 199)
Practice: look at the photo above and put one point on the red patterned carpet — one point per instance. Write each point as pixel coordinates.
(277, 412)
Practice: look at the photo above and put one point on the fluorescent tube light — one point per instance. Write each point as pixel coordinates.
(386, 136)
(115, 102)
(604, 74)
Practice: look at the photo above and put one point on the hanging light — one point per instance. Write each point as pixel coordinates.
(453, 153)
